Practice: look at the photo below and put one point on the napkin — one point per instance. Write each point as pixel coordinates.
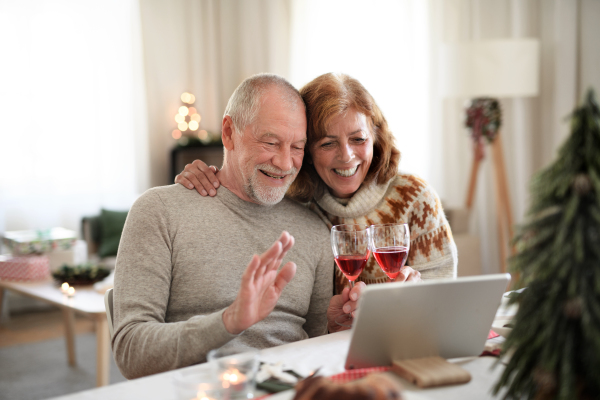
(273, 378)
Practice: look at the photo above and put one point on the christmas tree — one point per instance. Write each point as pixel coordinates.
(554, 346)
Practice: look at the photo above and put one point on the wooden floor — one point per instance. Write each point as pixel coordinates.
(38, 326)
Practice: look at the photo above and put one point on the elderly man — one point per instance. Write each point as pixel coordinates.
(188, 279)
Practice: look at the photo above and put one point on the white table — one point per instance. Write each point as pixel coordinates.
(327, 352)
(86, 302)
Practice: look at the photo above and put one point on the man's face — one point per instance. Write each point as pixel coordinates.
(271, 149)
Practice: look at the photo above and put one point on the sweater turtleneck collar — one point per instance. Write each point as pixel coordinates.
(365, 200)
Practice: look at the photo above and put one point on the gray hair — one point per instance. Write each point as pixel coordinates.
(245, 102)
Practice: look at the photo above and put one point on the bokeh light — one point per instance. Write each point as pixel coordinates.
(192, 99)
(176, 134)
(179, 118)
(182, 126)
(185, 97)
(192, 110)
(193, 125)
(183, 110)
(203, 135)
(196, 117)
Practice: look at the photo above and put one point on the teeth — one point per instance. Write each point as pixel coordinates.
(272, 176)
(346, 172)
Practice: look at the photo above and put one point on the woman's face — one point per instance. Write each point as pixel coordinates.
(342, 158)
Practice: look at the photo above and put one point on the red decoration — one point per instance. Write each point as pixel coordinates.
(25, 268)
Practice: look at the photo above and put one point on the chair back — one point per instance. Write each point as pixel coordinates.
(108, 303)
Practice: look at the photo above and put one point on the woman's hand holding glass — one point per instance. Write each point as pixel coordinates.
(390, 244)
(342, 305)
(351, 249)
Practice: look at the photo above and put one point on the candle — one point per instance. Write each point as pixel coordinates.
(236, 370)
(234, 378)
(71, 291)
(64, 288)
(201, 396)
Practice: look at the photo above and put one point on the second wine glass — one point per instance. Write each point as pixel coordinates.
(390, 244)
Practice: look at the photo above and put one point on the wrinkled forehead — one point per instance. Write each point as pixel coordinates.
(282, 123)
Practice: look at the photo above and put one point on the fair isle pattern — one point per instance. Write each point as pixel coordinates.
(405, 198)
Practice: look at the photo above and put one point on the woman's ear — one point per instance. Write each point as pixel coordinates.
(228, 130)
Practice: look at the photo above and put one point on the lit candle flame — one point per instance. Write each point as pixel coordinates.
(64, 287)
(233, 376)
(201, 396)
(71, 291)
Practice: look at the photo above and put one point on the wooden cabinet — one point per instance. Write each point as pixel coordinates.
(182, 155)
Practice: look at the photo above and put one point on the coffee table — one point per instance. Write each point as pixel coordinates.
(87, 302)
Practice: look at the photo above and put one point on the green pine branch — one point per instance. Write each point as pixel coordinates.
(554, 347)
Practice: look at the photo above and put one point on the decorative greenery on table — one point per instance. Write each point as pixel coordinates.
(555, 343)
(83, 274)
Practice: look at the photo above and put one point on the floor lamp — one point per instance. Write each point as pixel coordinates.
(485, 71)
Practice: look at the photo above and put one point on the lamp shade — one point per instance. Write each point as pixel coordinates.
(493, 68)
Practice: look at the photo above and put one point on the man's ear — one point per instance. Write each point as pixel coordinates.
(228, 130)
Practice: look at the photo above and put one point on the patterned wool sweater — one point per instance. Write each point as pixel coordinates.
(407, 199)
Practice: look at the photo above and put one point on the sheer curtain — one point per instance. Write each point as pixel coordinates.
(383, 44)
(208, 48)
(72, 111)
(533, 128)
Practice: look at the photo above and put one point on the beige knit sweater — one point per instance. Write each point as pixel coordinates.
(180, 265)
(407, 199)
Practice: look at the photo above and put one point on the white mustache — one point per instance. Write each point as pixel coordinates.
(275, 170)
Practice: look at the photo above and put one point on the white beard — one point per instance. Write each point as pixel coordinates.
(264, 194)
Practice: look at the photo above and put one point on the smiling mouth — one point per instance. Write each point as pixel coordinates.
(346, 172)
(272, 176)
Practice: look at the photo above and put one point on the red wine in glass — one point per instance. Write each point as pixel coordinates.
(351, 249)
(352, 266)
(390, 244)
(391, 259)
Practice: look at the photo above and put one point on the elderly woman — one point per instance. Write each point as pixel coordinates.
(350, 175)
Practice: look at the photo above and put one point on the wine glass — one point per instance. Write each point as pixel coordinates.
(351, 248)
(390, 244)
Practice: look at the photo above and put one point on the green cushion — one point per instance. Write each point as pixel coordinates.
(111, 224)
(95, 229)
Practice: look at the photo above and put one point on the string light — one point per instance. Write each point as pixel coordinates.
(186, 97)
(203, 135)
(187, 117)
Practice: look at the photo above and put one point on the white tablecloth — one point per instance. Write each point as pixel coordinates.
(327, 353)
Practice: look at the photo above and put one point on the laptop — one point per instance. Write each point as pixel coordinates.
(449, 318)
